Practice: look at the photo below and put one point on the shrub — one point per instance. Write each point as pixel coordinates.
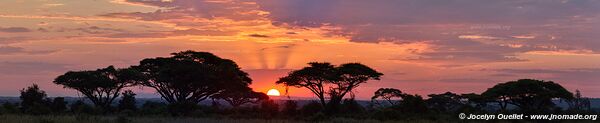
(311, 108)
(79, 107)
(290, 108)
(269, 108)
(151, 107)
(127, 102)
(58, 105)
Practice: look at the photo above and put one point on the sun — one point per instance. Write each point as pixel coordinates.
(273, 92)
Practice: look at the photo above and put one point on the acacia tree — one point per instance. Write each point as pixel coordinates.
(324, 79)
(238, 97)
(527, 94)
(404, 102)
(100, 86)
(350, 75)
(445, 102)
(387, 94)
(188, 77)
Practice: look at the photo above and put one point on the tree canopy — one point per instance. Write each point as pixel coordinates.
(101, 86)
(189, 77)
(387, 94)
(324, 79)
(527, 94)
(238, 97)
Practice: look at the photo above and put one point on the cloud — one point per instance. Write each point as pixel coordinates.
(10, 50)
(178, 9)
(10, 40)
(584, 76)
(258, 36)
(14, 29)
(508, 27)
(468, 80)
(164, 34)
(98, 30)
(29, 68)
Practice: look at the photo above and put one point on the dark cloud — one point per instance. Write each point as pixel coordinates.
(14, 29)
(386, 12)
(531, 71)
(468, 80)
(9, 50)
(552, 25)
(164, 34)
(179, 9)
(259, 36)
(583, 76)
(10, 40)
(98, 30)
(30, 68)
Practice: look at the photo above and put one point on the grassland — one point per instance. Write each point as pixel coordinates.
(116, 119)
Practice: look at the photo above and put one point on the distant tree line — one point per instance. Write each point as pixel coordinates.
(186, 78)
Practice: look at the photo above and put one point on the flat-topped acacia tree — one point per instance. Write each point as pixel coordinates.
(325, 79)
(188, 77)
(529, 95)
(237, 97)
(100, 86)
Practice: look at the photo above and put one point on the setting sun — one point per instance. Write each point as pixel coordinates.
(273, 92)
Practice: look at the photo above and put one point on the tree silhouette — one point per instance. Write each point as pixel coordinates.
(188, 77)
(33, 100)
(127, 101)
(475, 101)
(527, 94)
(101, 86)
(445, 102)
(579, 103)
(351, 76)
(412, 104)
(313, 78)
(387, 94)
(403, 104)
(238, 97)
(324, 78)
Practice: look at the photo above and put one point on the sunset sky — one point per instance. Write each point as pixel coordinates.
(422, 46)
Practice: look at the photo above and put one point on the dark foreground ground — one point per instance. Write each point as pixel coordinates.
(115, 119)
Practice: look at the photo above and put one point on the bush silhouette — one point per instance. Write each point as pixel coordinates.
(311, 108)
(34, 101)
(153, 108)
(58, 105)
(290, 108)
(127, 101)
(269, 108)
(79, 107)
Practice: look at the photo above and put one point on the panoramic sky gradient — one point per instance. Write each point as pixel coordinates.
(422, 46)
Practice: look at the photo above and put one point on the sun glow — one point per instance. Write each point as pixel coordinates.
(273, 92)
